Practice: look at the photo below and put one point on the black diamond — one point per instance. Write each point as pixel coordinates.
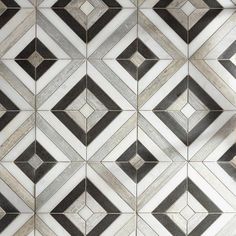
(137, 71)
(46, 60)
(106, 17)
(101, 199)
(23, 162)
(171, 123)
(125, 160)
(112, 112)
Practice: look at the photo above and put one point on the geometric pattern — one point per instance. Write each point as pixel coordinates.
(117, 117)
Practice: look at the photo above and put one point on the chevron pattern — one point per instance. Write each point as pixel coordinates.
(117, 117)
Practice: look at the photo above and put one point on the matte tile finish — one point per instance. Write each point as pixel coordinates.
(117, 117)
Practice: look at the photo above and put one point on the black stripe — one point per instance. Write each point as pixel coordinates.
(6, 221)
(145, 67)
(43, 154)
(201, 197)
(128, 154)
(27, 51)
(204, 225)
(101, 23)
(163, 3)
(173, 95)
(6, 102)
(7, 117)
(71, 95)
(172, 197)
(27, 154)
(202, 23)
(229, 169)
(103, 224)
(6, 205)
(173, 23)
(144, 169)
(71, 22)
(101, 125)
(178, 130)
(129, 170)
(144, 153)
(111, 3)
(44, 51)
(10, 3)
(70, 198)
(145, 51)
(71, 125)
(230, 154)
(201, 126)
(67, 225)
(129, 51)
(6, 16)
(213, 3)
(229, 66)
(26, 168)
(27, 66)
(42, 170)
(229, 52)
(169, 224)
(203, 96)
(43, 67)
(129, 67)
(101, 95)
(61, 3)
(100, 198)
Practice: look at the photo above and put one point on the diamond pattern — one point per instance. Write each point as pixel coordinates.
(117, 117)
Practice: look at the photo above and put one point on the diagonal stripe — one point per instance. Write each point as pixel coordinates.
(201, 197)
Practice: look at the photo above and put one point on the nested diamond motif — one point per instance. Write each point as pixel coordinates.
(32, 59)
(133, 59)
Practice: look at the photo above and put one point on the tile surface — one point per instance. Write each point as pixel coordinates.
(117, 117)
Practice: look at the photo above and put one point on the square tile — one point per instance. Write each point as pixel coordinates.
(117, 117)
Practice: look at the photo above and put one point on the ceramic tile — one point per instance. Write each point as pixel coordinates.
(117, 117)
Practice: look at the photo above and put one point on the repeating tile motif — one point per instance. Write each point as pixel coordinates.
(117, 117)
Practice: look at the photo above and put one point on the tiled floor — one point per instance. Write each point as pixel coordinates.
(118, 117)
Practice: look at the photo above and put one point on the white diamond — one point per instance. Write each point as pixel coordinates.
(188, 110)
(86, 110)
(137, 59)
(136, 162)
(188, 8)
(87, 8)
(35, 161)
(187, 212)
(233, 59)
(85, 213)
